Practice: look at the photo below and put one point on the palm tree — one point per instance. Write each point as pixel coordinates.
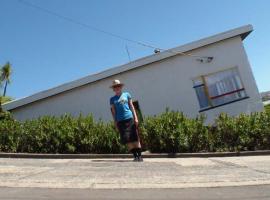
(5, 76)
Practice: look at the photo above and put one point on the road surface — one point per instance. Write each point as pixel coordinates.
(164, 178)
(261, 192)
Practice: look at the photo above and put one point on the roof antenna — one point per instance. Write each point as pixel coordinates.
(128, 53)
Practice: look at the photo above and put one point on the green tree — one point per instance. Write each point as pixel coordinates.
(6, 99)
(5, 76)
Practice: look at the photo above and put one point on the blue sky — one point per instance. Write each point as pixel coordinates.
(46, 51)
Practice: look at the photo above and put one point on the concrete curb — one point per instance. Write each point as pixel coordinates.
(145, 155)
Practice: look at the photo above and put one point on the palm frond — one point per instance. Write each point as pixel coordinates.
(6, 72)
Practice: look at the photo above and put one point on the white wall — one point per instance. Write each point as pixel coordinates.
(167, 83)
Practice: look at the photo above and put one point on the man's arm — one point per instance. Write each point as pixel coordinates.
(113, 115)
(133, 112)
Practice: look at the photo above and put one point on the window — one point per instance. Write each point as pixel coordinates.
(219, 88)
(201, 94)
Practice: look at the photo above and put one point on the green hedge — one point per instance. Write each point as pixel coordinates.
(64, 134)
(267, 108)
(173, 132)
(169, 132)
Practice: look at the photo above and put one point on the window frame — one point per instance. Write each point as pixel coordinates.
(210, 98)
(205, 92)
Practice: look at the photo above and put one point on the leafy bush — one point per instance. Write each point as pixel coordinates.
(225, 134)
(197, 133)
(5, 116)
(267, 108)
(169, 132)
(9, 135)
(64, 134)
(165, 132)
(173, 132)
(6, 99)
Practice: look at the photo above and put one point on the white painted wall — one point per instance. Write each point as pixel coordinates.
(167, 83)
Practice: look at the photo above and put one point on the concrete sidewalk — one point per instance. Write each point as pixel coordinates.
(123, 173)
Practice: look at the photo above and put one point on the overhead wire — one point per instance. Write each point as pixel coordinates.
(93, 28)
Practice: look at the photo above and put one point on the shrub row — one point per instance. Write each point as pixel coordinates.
(267, 108)
(169, 132)
(64, 134)
(173, 132)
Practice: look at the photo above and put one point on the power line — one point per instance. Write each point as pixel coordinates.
(71, 20)
(82, 24)
(128, 53)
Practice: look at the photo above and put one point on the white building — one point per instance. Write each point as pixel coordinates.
(165, 79)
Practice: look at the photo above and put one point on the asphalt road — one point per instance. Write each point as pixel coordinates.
(261, 192)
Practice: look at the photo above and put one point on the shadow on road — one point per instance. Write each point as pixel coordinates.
(111, 160)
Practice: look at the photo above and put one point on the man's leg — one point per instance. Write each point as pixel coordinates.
(137, 148)
(133, 150)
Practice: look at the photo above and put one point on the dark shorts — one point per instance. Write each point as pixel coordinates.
(128, 131)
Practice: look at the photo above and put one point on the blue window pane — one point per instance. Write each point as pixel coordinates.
(202, 98)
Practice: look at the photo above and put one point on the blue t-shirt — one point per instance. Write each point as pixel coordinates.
(122, 110)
